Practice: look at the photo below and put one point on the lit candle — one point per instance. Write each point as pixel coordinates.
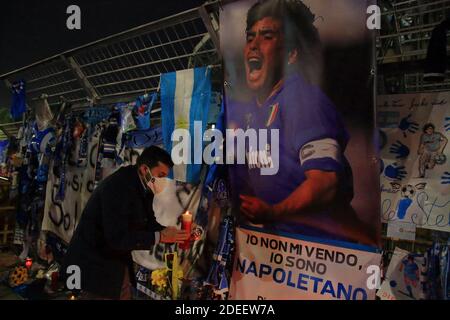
(28, 263)
(186, 224)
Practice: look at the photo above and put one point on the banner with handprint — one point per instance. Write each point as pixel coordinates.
(415, 170)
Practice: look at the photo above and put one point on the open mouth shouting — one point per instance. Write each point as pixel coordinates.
(254, 66)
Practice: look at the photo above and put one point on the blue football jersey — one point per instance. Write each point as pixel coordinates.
(311, 136)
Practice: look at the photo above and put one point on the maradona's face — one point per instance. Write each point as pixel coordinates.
(264, 54)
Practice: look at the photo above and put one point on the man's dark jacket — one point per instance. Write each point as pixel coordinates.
(117, 219)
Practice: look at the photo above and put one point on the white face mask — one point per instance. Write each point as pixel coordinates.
(155, 184)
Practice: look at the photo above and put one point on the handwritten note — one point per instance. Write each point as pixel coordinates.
(415, 160)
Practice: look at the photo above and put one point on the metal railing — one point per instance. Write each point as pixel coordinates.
(123, 65)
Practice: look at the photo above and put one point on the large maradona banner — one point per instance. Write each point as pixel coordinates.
(299, 99)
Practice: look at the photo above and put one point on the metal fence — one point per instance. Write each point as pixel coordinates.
(122, 66)
(127, 64)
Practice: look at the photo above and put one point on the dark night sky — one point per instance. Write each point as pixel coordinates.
(33, 30)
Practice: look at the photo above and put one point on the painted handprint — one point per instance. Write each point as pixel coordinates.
(406, 125)
(445, 179)
(399, 149)
(395, 172)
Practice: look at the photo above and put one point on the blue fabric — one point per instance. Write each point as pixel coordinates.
(142, 110)
(42, 173)
(3, 144)
(144, 139)
(38, 137)
(3, 148)
(410, 270)
(18, 104)
(168, 84)
(95, 115)
(218, 275)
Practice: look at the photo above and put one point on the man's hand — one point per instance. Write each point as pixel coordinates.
(256, 210)
(173, 235)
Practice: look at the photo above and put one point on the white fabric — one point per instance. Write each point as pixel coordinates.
(62, 217)
(43, 114)
(167, 208)
(182, 104)
(45, 141)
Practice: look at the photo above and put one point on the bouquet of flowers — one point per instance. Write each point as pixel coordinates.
(165, 282)
(159, 281)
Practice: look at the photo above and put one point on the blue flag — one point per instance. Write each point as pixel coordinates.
(140, 139)
(185, 100)
(3, 150)
(18, 104)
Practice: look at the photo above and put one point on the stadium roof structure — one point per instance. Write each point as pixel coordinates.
(124, 65)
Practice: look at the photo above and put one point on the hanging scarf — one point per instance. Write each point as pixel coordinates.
(66, 145)
(18, 105)
(109, 138)
(218, 276)
(98, 163)
(84, 146)
(142, 109)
